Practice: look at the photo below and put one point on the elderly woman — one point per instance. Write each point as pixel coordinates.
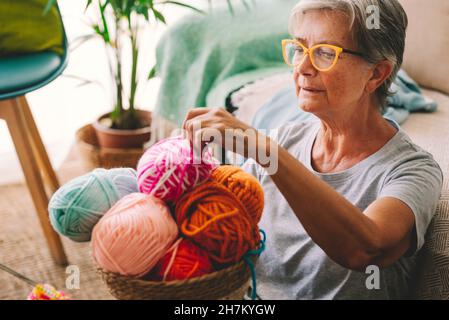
(350, 190)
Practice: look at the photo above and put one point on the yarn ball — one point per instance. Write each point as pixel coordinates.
(215, 219)
(168, 169)
(46, 292)
(77, 206)
(133, 235)
(184, 260)
(244, 186)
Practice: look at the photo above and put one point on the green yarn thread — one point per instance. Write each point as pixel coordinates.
(78, 205)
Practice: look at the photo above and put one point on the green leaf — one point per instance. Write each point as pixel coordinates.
(125, 4)
(78, 41)
(105, 32)
(158, 15)
(48, 6)
(83, 81)
(89, 2)
(101, 33)
(142, 8)
(152, 73)
(128, 7)
(185, 5)
(145, 14)
(116, 7)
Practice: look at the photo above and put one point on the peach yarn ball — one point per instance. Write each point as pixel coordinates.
(133, 235)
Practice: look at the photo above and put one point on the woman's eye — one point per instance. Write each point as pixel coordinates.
(326, 54)
(299, 50)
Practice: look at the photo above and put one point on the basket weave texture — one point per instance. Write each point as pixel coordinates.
(95, 157)
(228, 284)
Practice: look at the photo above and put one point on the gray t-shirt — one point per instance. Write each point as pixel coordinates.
(293, 266)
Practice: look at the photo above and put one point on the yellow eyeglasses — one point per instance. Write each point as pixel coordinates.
(323, 56)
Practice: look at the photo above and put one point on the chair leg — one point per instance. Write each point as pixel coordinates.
(9, 110)
(44, 163)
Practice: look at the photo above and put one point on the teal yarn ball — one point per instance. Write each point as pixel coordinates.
(78, 205)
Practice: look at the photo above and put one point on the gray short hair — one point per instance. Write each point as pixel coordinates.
(386, 42)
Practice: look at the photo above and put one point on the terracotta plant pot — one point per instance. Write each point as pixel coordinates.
(93, 156)
(116, 138)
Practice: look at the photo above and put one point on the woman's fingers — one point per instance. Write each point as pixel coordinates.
(206, 125)
(193, 125)
(201, 118)
(193, 113)
(187, 127)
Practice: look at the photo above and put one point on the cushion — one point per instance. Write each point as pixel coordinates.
(252, 96)
(25, 29)
(426, 57)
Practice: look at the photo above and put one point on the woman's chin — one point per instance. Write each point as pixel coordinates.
(309, 105)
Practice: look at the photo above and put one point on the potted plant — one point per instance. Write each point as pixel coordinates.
(124, 130)
(118, 24)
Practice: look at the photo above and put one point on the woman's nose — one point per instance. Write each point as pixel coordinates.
(306, 67)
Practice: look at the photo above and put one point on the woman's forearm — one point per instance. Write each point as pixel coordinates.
(336, 225)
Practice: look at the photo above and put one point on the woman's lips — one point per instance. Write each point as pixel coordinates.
(312, 90)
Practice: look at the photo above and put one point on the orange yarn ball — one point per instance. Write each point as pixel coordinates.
(184, 260)
(244, 186)
(216, 220)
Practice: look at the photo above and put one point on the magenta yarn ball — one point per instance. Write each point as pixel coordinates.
(168, 169)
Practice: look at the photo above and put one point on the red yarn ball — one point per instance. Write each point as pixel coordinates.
(184, 260)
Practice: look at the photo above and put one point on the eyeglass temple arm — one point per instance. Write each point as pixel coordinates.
(354, 52)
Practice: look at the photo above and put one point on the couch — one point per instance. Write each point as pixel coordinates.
(428, 24)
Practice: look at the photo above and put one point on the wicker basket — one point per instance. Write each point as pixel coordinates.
(228, 284)
(96, 157)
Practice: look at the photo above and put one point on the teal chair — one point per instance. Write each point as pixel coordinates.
(20, 75)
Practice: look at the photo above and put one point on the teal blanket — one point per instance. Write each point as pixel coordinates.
(203, 57)
(283, 107)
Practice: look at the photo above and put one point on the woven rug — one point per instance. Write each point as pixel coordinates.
(24, 249)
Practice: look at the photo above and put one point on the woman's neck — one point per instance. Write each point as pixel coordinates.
(342, 143)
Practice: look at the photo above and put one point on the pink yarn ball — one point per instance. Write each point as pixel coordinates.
(133, 235)
(168, 169)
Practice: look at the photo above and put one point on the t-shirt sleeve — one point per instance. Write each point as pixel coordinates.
(416, 182)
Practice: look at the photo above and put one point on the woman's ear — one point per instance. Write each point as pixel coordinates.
(382, 70)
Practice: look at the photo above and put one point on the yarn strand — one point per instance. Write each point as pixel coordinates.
(174, 250)
(250, 263)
